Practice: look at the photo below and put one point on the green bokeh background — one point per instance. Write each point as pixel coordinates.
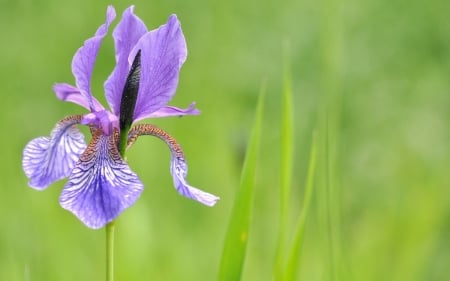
(386, 65)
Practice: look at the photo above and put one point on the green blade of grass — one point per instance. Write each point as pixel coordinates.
(293, 266)
(286, 162)
(328, 191)
(234, 250)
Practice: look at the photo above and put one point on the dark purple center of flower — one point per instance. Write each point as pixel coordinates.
(129, 95)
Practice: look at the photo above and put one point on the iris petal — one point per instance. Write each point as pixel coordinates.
(70, 93)
(48, 159)
(127, 33)
(84, 59)
(178, 167)
(163, 52)
(101, 185)
(167, 111)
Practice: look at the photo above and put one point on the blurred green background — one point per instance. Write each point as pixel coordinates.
(380, 72)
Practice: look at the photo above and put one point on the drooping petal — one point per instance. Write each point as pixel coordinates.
(70, 93)
(48, 159)
(101, 185)
(126, 34)
(178, 167)
(163, 52)
(167, 111)
(84, 59)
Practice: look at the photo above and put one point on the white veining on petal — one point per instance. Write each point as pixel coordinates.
(48, 159)
(101, 185)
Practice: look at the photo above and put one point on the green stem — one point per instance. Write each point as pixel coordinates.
(123, 141)
(286, 163)
(110, 251)
(110, 226)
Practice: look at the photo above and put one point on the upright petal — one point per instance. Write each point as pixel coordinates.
(48, 159)
(163, 52)
(126, 34)
(101, 185)
(84, 59)
(178, 167)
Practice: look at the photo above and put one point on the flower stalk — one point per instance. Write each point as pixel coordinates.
(110, 251)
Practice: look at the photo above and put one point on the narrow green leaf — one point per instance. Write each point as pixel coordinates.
(286, 154)
(293, 261)
(236, 239)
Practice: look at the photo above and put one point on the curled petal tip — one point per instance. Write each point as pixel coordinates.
(194, 193)
(198, 195)
(210, 200)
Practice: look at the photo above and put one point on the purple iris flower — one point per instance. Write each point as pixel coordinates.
(101, 184)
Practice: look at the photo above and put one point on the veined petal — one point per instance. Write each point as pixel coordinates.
(70, 93)
(48, 159)
(126, 34)
(101, 185)
(178, 167)
(163, 52)
(167, 111)
(84, 59)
